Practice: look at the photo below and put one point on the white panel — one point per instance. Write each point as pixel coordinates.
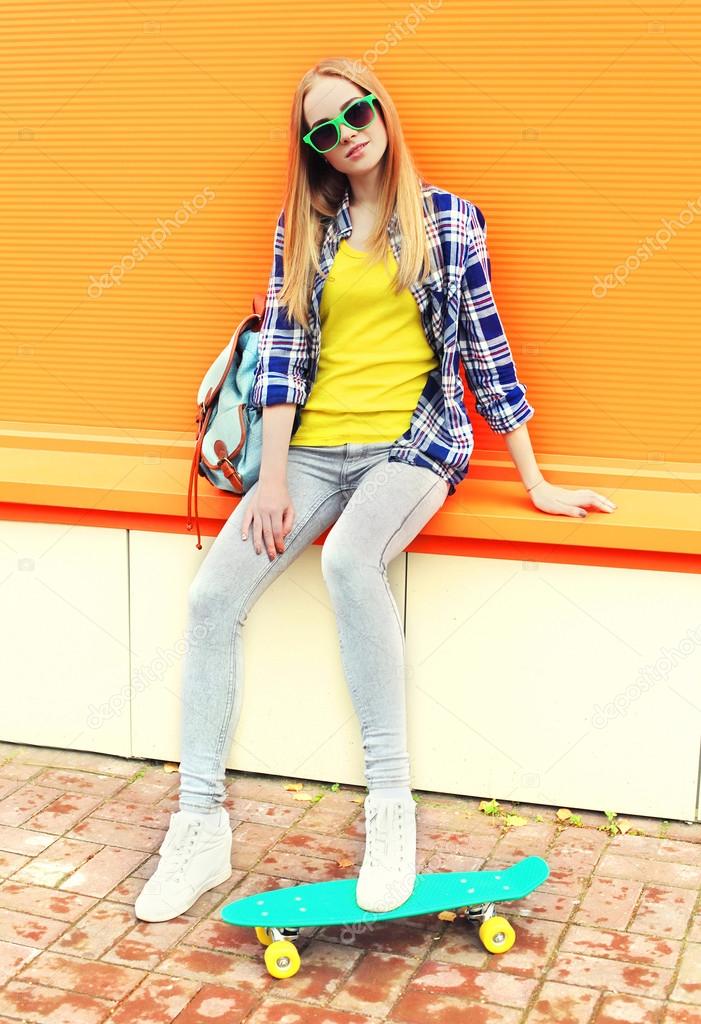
(566, 685)
(65, 646)
(297, 717)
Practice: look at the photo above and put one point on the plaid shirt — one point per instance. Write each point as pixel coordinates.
(461, 323)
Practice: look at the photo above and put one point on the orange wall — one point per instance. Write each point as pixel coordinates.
(573, 126)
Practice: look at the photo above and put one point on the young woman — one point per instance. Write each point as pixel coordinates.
(380, 288)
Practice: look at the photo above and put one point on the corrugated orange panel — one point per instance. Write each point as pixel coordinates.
(148, 140)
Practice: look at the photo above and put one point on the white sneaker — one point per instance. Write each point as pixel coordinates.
(195, 856)
(388, 872)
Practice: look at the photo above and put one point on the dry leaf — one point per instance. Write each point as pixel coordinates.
(293, 786)
(624, 825)
(171, 766)
(344, 863)
(563, 814)
(484, 803)
(447, 915)
(303, 796)
(516, 820)
(358, 800)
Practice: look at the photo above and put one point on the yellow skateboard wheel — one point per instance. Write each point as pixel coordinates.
(282, 958)
(263, 937)
(496, 934)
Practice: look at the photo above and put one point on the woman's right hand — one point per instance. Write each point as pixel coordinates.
(272, 514)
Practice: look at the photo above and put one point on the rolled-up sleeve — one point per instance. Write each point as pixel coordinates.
(500, 398)
(283, 353)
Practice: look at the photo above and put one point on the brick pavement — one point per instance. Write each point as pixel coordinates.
(613, 935)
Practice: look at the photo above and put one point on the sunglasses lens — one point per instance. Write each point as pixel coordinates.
(324, 137)
(360, 113)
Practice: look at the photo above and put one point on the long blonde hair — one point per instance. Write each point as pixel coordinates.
(315, 189)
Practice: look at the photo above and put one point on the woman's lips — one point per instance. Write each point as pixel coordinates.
(357, 150)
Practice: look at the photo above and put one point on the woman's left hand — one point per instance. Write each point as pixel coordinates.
(564, 501)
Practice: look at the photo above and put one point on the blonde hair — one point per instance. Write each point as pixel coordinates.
(315, 189)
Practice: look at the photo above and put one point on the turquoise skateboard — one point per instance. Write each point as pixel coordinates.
(278, 914)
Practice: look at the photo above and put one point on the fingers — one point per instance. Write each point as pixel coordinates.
(600, 501)
(245, 524)
(594, 500)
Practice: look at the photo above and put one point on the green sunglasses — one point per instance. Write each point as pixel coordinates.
(327, 135)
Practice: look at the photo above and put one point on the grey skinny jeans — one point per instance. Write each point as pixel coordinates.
(378, 507)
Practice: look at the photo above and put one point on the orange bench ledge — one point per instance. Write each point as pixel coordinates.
(138, 480)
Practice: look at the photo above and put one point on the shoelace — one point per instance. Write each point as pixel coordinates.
(381, 820)
(180, 852)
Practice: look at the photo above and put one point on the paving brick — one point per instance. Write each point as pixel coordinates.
(83, 783)
(608, 902)
(95, 932)
(218, 1004)
(676, 1013)
(157, 1000)
(609, 974)
(616, 865)
(417, 1007)
(44, 1005)
(618, 945)
(333, 848)
(535, 943)
(10, 863)
(264, 813)
(375, 983)
(76, 760)
(302, 867)
(91, 978)
(474, 847)
(147, 942)
(133, 812)
(325, 969)
(58, 861)
(29, 929)
(688, 986)
(211, 966)
(671, 851)
(664, 911)
(500, 987)
(152, 786)
(269, 789)
(13, 957)
(563, 1004)
(25, 801)
(285, 1011)
(330, 815)
(36, 899)
(63, 813)
(14, 771)
(21, 840)
(117, 833)
(102, 872)
(623, 1009)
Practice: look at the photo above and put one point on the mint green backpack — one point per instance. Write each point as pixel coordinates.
(229, 442)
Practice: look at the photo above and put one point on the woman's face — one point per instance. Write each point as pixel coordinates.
(326, 98)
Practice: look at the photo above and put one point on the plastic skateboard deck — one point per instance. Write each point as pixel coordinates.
(280, 912)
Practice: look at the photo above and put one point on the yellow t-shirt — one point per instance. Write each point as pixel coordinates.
(374, 356)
